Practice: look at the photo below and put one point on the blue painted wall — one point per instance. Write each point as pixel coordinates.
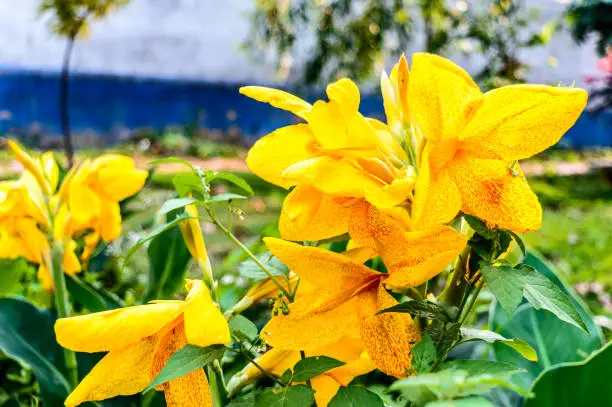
(104, 103)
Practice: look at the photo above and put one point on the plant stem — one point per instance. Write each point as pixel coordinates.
(216, 386)
(457, 283)
(303, 356)
(63, 308)
(472, 302)
(238, 243)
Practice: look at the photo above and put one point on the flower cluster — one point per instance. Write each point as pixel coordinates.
(446, 149)
(39, 210)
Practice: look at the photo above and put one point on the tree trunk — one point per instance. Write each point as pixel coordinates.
(63, 101)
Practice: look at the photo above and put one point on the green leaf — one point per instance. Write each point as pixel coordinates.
(464, 402)
(11, 271)
(450, 384)
(172, 160)
(554, 340)
(251, 270)
(505, 284)
(226, 197)
(509, 285)
(85, 295)
(293, 396)
(185, 361)
(26, 334)
(585, 383)
(308, 368)
(176, 203)
(479, 227)
(424, 355)
(355, 396)
(248, 400)
(287, 376)
(243, 329)
(519, 242)
(234, 179)
(519, 345)
(168, 264)
(423, 309)
(475, 367)
(152, 234)
(187, 183)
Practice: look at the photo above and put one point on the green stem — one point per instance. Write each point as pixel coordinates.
(63, 308)
(238, 243)
(457, 283)
(472, 302)
(216, 387)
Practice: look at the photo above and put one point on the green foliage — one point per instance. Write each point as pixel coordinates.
(12, 272)
(519, 345)
(243, 329)
(424, 355)
(591, 17)
(355, 396)
(26, 334)
(584, 383)
(69, 17)
(250, 269)
(293, 396)
(510, 284)
(311, 367)
(352, 37)
(185, 361)
(88, 296)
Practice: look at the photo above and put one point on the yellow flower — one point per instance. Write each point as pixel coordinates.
(349, 350)
(96, 187)
(337, 158)
(473, 140)
(350, 294)
(139, 341)
(44, 170)
(192, 235)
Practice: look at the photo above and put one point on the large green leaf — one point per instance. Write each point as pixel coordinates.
(585, 383)
(424, 355)
(554, 340)
(88, 296)
(26, 334)
(355, 396)
(519, 345)
(314, 366)
(294, 396)
(185, 361)
(168, 263)
(510, 284)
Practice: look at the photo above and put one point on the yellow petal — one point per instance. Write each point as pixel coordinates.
(84, 204)
(30, 165)
(442, 96)
(337, 177)
(110, 220)
(192, 234)
(519, 121)
(436, 199)
(392, 194)
(46, 279)
(274, 153)
(389, 338)
(345, 93)
(185, 391)
(71, 262)
(116, 178)
(326, 269)
(116, 329)
(308, 329)
(204, 322)
(51, 170)
(492, 193)
(278, 99)
(123, 371)
(421, 255)
(325, 387)
(309, 214)
(352, 351)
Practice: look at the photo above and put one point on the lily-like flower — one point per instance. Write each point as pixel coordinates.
(139, 341)
(336, 159)
(94, 189)
(473, 141)
(349, 294)
(349, 350)
(192, 235)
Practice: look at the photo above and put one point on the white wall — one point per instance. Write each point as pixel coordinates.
(199, 39)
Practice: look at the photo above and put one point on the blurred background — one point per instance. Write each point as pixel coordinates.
(155, 78)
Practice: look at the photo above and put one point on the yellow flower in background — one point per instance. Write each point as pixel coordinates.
(192, 235)
(394, 89)
(349, 294)
(338, 158)
(473, 141)
(139, 341)
(349, 350)
(94, 189)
